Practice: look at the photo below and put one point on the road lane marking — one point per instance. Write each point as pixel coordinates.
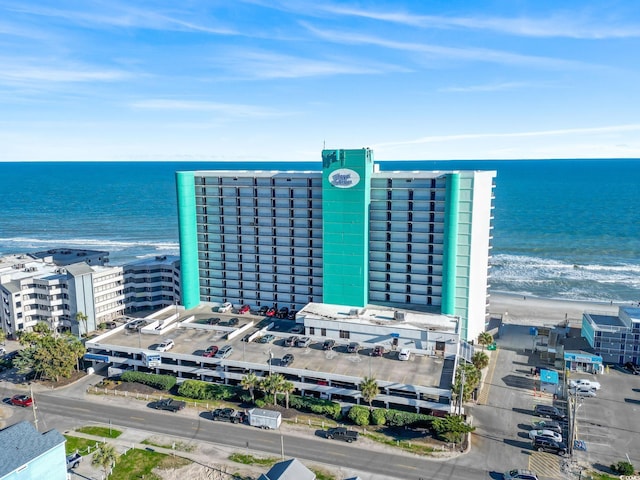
(137, 418)
(483, 398)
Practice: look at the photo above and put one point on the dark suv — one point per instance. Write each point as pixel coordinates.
(546, 444)
(549, 411)
(632, 368)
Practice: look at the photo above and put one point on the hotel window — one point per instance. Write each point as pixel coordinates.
(312, 330)
(323, 332)
(344, 334)
(408, 299)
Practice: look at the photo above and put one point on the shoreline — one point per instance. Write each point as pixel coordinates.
(531, 310)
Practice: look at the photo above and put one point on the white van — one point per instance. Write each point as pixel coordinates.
(404, 354)
(226, 307)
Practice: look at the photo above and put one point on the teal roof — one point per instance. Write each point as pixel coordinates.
(549, 376)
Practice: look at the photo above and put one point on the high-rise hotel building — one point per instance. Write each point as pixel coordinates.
(349, 235)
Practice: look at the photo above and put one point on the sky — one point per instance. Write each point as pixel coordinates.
(281, 80)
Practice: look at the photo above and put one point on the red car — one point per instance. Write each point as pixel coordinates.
(244, 309)
(21, 400)
(378, 351)
(271, 312)
(210, 351)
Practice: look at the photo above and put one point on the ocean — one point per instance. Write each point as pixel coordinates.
(567, 229)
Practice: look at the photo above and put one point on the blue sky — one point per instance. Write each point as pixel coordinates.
(278, 79)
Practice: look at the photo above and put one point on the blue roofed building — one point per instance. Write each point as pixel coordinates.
(27, 454)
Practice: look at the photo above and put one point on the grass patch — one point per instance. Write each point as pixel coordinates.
(79, 444)
(402, 444)
(246, 459)
(104, 432)
(138, 463)
(600, 476)
(322, 475)
(182, 446)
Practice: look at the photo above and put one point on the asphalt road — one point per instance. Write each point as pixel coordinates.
(59, 410)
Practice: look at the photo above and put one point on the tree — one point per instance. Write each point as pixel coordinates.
(484, 339)
(287, 387)
(480, 360)
(47, 356)
(472, 378)
(104, 457)
(273, 384)
(250, 382)
(82, 318)
(369, 390)
(3, 336)
(451, 428)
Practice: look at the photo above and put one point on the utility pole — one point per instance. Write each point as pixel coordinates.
(461, 391)
(33, 404)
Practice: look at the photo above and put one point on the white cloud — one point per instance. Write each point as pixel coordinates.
(35, 71)
(495, 87)
(237, 110)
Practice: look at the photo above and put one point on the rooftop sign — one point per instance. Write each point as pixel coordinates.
(344, 178)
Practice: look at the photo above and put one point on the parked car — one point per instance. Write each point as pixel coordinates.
(404, 354)
(169, 404)
(548, 411)
(290, 341)
(244, 309)
(263, 310)
(303, 342)
(297, 329)
(328, 344)
(224, 352)
(73, 460)
(271, 312)
(341, 433)
(378, 351)
(136, 325)
(164, 345)
(268, 338)
(210, 351)
(283, 312)
(520, 474)
(632, 368)
(213, 321)
(109, 325)
(583, 391)
(286, 360)
(545, 444)
(292, 314)
(533, 434)
(227, 415)
(233, 322)
(21, 400)
(548, 425)
(226, 307)
(353, 347)
(583, 382)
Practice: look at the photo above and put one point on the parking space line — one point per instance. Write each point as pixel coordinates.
(545, 465)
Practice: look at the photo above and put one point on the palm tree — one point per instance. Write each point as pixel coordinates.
(480, 360)
(104, 457)
(369, 390)
(82, 318)
(250, 382)
(287, 388)
(484, 339)
(273, 384)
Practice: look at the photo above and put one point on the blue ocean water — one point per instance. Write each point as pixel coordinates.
(563, 228)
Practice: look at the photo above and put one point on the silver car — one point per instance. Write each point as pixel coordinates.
(224, 352)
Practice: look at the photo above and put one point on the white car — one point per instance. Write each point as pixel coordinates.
(226, 307)
(583, 391)
(404, 354)
(545, 433)
(583, 382)
(165, 345)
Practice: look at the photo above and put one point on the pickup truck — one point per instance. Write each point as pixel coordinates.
(169, 404)
(73, 460)
(342, 433)
(227, 415)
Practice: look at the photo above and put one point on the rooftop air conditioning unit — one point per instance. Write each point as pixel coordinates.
(353, 312)
(399, 316)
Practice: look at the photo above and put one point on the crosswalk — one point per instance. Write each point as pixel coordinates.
(546, 465)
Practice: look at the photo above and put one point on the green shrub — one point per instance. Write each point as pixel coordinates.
(260, 403)
(359, 415)
(161, 382)
(207, 391)
(623, 468)
(379, 416)
(315, 405)
(398, 418)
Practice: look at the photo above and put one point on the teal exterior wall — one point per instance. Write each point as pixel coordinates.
(450, 251)
(188, 231)
(346, 194)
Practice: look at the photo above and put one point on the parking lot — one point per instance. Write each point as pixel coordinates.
(213, 328)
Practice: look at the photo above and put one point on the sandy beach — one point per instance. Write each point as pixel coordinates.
(517, 309)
